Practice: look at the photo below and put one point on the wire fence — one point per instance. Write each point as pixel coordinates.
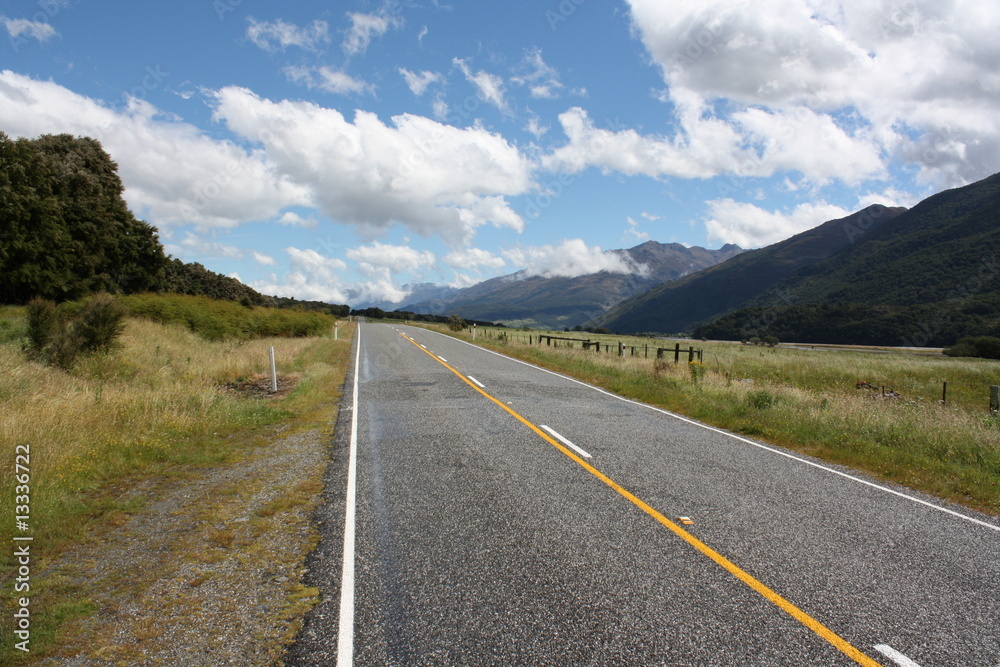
(601, 346)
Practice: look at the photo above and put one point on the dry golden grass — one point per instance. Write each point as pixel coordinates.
(154, 407)
(152, 403)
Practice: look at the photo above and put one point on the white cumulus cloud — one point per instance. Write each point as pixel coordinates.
(174, 174)
(295, 220)
(196, 246)
(275, 35)
(365, 27)
(419, 81)
(312, 277)
(431, 177)
(263, 258)
(394, 258)
(327, 79)
(914, 81)
(20, 29)
(750, 226)
(706, 148)
(473, 259)
(569, 259)
(633, 234)
(490, 87)
(541, 79)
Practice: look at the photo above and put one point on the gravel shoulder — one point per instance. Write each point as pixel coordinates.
(209, 570)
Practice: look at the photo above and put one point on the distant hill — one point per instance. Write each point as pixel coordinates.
(930, 277)
(560, 302)
(679, 306)
(928, 254)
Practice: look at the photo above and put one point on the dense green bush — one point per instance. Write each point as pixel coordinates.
(985, 347)
(213, 319)
(56, 336)
(761, 399)
(64, 346)
(100, 323)
(42, 320)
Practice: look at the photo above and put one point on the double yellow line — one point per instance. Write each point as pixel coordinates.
(805, 619)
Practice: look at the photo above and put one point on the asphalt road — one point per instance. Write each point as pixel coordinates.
(482, 539)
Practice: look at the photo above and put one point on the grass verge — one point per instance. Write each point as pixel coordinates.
(809, 401)
(154, 409)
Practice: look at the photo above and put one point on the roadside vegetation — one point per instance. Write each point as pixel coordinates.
(877, 411)
(162, 400)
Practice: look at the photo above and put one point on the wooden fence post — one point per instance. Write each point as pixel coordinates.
(994, 399)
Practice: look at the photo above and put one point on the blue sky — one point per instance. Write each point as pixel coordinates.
(342, 150)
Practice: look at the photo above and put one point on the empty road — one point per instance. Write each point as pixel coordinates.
(482, 511)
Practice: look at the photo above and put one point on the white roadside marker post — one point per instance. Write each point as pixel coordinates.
(274, 373)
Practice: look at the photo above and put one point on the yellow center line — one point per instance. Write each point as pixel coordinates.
(805, 619)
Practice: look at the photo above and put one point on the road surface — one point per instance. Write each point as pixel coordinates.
(482, 511)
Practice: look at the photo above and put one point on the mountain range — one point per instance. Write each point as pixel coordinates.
(678, 306)
(886, 276)
(927, 278)
(521, 299)
(922, 276)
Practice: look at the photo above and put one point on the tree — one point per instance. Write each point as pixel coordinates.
(65, 230)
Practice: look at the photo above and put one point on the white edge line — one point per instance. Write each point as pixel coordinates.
(345, 632)
(478, 383)
(873, 485)
(566, 442)
(895, 656)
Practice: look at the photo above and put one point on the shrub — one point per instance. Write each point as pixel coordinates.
(100, 324)
(985, 347)
(64, 346)
(42, 320)
(456, 323)
(761, 399)
(226, 320)
(57, 336)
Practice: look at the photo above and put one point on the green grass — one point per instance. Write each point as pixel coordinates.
(808, 400)
(214, 319)
(154, 406)
(13, 326)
